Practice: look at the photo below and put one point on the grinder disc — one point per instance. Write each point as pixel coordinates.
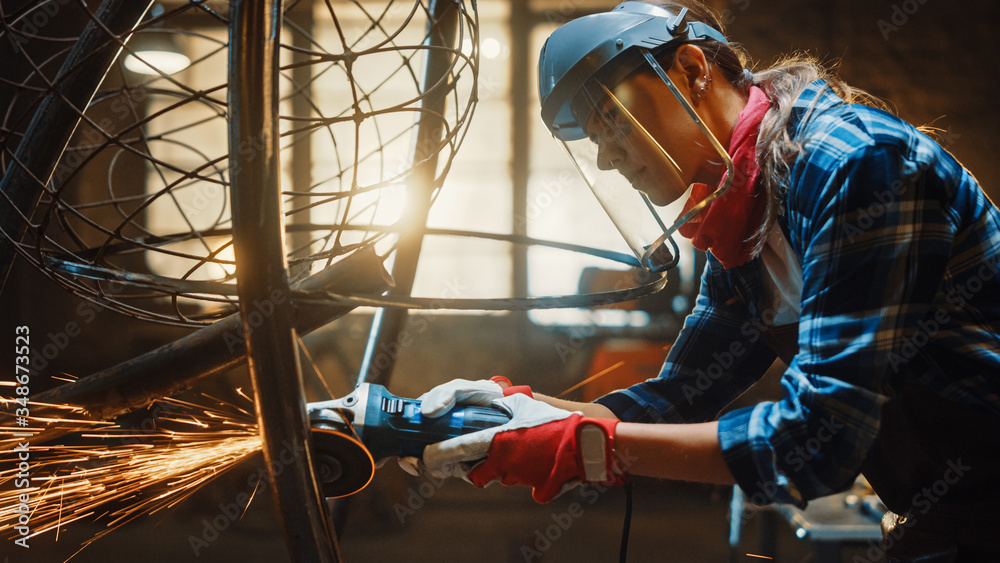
(343, 465)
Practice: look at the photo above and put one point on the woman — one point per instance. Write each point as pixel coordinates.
(844, 241)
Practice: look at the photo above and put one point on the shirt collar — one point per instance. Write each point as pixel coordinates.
(816, 98)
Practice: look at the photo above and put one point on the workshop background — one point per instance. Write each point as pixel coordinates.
(935, 61)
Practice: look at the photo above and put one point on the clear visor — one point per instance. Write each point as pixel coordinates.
(644, 147)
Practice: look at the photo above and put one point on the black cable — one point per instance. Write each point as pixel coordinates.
(623, 552)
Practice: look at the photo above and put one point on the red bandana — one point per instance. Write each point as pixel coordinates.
(726, 227)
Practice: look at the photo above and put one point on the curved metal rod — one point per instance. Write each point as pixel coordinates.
(201, 289)
(259, 245)
(442, 31)
(599, 299)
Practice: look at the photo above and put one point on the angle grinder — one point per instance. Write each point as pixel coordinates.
(370, 424)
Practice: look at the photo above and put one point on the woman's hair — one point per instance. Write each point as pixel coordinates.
(782, 82)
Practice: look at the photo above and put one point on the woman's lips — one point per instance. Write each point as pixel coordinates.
(634, 178)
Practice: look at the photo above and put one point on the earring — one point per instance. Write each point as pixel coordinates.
(703, 89)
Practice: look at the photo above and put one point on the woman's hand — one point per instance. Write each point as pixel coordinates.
(548, 449)
(444, 397)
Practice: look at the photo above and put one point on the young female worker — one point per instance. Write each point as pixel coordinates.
(846, 242)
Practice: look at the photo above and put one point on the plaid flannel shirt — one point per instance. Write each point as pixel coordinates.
(899, 249)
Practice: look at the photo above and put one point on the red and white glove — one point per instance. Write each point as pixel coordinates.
(548, 449)
(444, 397)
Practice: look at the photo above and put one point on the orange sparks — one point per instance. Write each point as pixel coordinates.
(120, 474)
(591, 378)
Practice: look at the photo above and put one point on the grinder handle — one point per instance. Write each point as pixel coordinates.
(475, 419)
(394, 426)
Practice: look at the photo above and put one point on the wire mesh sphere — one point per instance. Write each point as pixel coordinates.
(374, 102)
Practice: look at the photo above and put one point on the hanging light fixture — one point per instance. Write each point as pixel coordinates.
(154, 52)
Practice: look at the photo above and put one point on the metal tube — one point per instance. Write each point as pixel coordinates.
(259, 244)
(57, 117)
(301, 143)
(176, 366)
(522, 62)
(383, 341)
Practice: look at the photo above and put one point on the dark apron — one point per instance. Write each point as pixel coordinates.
(936, 465)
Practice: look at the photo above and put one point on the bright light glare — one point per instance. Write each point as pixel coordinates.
(491, 48)
(167, 62)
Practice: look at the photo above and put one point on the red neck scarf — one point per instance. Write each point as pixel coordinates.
(726, 227)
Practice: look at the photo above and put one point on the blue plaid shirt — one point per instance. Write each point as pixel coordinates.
(899, 249)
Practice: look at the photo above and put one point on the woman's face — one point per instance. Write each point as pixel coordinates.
(644, 133)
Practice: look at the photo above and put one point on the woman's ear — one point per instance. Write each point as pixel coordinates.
(689, 66)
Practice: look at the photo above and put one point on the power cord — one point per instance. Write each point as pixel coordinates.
(623, 552)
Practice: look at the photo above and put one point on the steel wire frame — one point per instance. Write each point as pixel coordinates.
(151, 138)
(81, 266)
(77, 247)
(99, 245)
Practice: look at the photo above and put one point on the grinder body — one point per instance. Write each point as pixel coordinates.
(393, 426)
(371, 424)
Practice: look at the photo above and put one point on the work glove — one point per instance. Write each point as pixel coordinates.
(444, 397)
(548, 449)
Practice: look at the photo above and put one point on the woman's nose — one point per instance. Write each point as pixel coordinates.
(609, 154)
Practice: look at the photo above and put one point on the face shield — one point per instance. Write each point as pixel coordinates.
(632, 158)
(636, 141)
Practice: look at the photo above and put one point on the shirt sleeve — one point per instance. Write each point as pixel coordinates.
(876, 240)
(717, 355)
